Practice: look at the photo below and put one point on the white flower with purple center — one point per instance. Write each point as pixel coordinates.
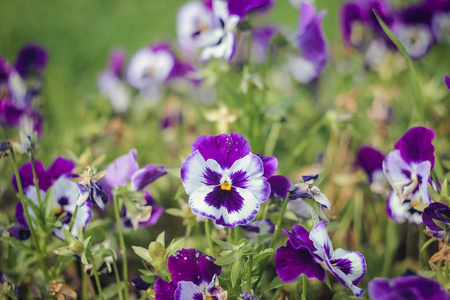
(407, 168)
(417, 39)
(312, 253)
(225, 181)
(194, 276)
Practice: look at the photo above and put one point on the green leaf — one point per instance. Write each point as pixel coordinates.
(435, 195)
(421, 206)
(261, 255)
(174, 172)
(162, 238)
(235, 271)
(68, 236)
(175, 212)
(427, 243)
(110, 292)
(327, 282)
(63, 251)
(142, 253)
(228, 258)
(444, 188)
(223, 244)
(276, 283)
(174, 245)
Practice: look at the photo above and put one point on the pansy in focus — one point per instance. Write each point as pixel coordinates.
(406, 287)
(311, 254)
(226, 182)
(65, 192)
(140, 209)
(194, 276)
(299, 204)
(371, 161)
(311, 42)
(439, 212)
(407, 169)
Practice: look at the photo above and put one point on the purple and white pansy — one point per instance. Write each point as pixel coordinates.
(125, 172)
(259, 228)
(407, 169)
(65, 192)
(439, 212)
(311, 42)
(226, 182)
(312, 253)
(371, 161)
(194, 276)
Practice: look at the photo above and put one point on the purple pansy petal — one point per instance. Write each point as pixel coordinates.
(402, 211)
(291, 262)
(10, 114)
(26, 175)
(423, 175)
(435, 211)
(261, 40)
(31, 59)
(5, 69)
(140, 284)
(20, 215)
(192, 265)
(255, 229)
(310, 178)
(370, 160)
(117, 61)
(121, 170)
(447, 81)
(397, 171)
(225, 149)
(279, 186)
(321, 240)
(351, 12)
(351, 264)
(299, 238)
(406, 287)
(188, 290)
(196, 172)
(147, 175)
(270, 165)
(157, 211)
(60, 167)
(300, 190)
(20, 232)
(164, 290)
(415, 145)
(242, 8)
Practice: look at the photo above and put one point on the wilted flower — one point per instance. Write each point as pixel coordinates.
(5, 146)
(60, 290)
(406, 287)
(90, 189)
(313, 254)
(225, 181)
(124, 173)
(407, 169)
(311, 42)
(247, 296)
(194, 275)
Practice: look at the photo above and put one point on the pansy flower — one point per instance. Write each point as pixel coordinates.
(259, 228)
(311, 254)
(407, 168)
(306, 190)
(447, 81)
(112, 84)
(226, 182)
(311, 42)
(371, 161)
(152, 67)
(65, 193)
(125, 172)
(194, 276)
(439, 212)
(405, 288)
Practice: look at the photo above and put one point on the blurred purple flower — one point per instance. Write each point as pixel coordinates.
(441, 213)
(112, 84)
(258, 228)
(311, 42)
(225, 181)
(311, 254)
(371, 161)
(260, 44)
(194, 276)
(447, 81)
(405, 288)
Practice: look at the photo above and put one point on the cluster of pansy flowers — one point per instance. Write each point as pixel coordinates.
(20, 86)
(207, 30)
(418, 26)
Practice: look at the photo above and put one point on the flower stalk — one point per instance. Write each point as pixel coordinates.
(122, 244)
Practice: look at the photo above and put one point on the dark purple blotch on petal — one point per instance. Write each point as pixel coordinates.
(219, 198)
(415, 145)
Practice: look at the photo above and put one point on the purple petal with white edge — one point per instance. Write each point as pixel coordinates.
(270, 165)
(351, 264)
(121, 170)
(255, 229)
(242, 8)
(310, 178)
(300, 190)
(192, 265)
(279, 186)
(299, 238)
(406, 287)
(60, 167)
(291, 262)
(187, 290)
(261, 40)
(225, 149)
(447, 81)
(157, 211)
(32, 59)
(321, 240)
(415, 145)
(164, 290)
(436, 211)
(370, 160)
(311, 40)
(402, 211)
(147, 175)
(196, 172)
(397, 171)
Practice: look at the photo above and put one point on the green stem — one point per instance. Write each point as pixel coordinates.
(28, 217)
(72, 221)
(304, 287)
(272, 138)
(357, 217)
(122, 245)
(236, 235)
(208, 237)
(446, 271)
(390, 246)
(116, 273)
(250, 268)
(84, 286)
(187, 234)
(97, 279)
(36, 180)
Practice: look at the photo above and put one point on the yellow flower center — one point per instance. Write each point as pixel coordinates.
(225, 186)
(58, 211)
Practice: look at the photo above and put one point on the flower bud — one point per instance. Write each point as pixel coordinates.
(156, 250)
(76, 247)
